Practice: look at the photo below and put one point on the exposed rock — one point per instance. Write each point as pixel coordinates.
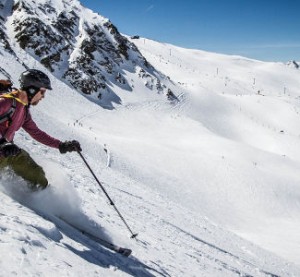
(294, 64)
(89, 55)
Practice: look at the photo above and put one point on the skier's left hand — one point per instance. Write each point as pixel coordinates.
(10, 150)
(69, 146)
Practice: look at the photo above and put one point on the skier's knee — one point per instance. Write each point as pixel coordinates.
(37, 185)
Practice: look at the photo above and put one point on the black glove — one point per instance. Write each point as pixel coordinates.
(9, 150)
(69, 146)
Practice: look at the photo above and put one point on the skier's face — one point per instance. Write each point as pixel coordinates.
(38, 97)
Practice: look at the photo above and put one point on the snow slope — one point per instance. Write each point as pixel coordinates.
(191, 177)
(255, 107)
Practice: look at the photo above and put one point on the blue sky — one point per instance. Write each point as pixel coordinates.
(267, 30)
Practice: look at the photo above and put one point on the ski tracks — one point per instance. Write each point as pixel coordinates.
(177, 252)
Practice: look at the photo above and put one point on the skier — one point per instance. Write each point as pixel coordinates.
(15, 114)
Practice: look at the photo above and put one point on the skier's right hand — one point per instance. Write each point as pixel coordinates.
(10, 150)
(69, 146)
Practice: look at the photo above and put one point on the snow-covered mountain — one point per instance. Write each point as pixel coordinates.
(209, 181)
(78, 46)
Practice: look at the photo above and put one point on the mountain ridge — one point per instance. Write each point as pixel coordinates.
(89, 54)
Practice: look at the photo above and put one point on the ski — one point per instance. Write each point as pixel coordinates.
(109, 245)
(121, 250)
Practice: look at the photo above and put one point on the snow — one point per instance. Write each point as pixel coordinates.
(210, 183)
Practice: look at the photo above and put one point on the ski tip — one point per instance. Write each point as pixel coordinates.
(125, 252)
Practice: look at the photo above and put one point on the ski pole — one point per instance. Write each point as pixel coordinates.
(110, 200)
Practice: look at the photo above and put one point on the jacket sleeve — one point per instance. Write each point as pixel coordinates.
(33, 130)
(5, 105)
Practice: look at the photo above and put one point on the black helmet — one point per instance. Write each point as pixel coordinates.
(34, 79)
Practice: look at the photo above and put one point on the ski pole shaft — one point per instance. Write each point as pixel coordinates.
(106, 194)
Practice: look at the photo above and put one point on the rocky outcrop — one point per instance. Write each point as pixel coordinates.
(4, 41)
(87, 52)
(294, 64)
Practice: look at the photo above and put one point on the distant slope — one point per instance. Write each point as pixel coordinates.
(244, 163)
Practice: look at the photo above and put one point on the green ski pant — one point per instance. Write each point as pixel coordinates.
(24, 166)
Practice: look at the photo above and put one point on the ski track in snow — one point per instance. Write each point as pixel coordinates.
(169, 239)
(158, 237)
(51, 229)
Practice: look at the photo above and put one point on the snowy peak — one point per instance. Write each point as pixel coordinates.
(80, 47)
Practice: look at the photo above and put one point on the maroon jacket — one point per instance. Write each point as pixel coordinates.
(22, 119)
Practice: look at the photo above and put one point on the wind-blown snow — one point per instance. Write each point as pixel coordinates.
(191, 177)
